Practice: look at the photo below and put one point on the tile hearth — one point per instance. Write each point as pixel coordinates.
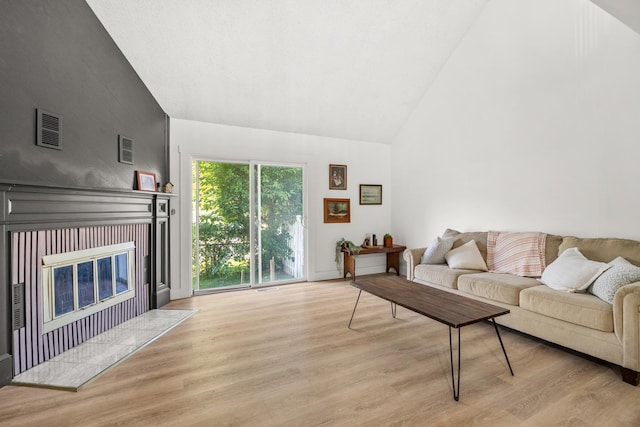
(79, 365)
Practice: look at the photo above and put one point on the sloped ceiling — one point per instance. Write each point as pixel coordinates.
(351, 69)
(627, 11)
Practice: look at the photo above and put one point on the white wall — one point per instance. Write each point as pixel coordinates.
(367, 163)
(533, 124)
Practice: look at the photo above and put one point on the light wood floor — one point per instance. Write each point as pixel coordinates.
(286, 358)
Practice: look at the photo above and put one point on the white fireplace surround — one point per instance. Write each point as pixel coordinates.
(91, 279)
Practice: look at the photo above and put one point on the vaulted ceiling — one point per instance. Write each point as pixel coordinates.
(351, 69)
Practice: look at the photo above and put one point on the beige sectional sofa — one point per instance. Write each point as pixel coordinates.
(577, 320)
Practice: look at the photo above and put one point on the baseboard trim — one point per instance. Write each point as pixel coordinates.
(162, 297)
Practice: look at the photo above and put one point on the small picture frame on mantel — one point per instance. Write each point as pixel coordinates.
(146, 181)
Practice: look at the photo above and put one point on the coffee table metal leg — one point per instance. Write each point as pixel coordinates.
(502, 345)
(456, 390)
(354, 309)
(393, 310)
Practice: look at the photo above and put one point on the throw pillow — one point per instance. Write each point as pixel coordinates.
(466, 256)
(461, 238)
(519, 253)
(621, 273)
(437, 250)
(572, 272)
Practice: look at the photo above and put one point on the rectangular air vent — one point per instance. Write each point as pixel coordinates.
(125, 150)
(18, 308)
(48, 129)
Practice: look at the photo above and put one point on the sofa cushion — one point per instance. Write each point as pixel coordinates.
(578, 308)
(496, 286)
(435, 252)
(440, 274)
(604, 250)
(552, 246)
(466, 256)
(572, 271)
(519, 253)
(480, 238)
(621, 273)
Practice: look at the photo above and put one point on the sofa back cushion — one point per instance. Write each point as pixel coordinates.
(552, 246)
(604, 249)
(461, 238)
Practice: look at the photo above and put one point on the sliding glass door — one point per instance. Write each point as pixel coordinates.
(278, 215)
(247, 224)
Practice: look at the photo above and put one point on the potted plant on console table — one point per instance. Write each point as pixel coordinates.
(345, 244)
(388, 240)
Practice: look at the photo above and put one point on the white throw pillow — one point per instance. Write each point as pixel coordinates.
(572, 272)
(437, 250)
(467, 256)
(621, 273)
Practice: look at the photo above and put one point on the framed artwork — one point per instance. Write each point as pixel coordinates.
(337, 210)
(370, 194)
(337, 177)
(146, 181)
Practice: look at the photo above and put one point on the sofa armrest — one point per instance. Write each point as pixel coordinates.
(626, 318)
(412, 258)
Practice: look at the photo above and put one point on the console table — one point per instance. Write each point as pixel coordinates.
(393, 258)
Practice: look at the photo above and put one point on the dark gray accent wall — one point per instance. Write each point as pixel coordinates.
(57, 56)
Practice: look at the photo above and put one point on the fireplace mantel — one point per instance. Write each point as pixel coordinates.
(29, 209)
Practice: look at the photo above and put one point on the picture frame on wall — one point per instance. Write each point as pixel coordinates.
(337, 210)
(370, 194)
(337, 177)
(146, 181)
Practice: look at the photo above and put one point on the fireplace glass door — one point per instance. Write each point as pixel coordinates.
(80, 283)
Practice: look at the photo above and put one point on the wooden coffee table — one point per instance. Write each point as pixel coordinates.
(451, 309)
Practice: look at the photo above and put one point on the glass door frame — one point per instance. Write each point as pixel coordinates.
(254, 196)
(196, 273)
(255, 225)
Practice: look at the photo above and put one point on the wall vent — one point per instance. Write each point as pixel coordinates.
(48, 129)
(125, 150)
(18, 308)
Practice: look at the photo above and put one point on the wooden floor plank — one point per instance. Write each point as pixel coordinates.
(286, 358)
